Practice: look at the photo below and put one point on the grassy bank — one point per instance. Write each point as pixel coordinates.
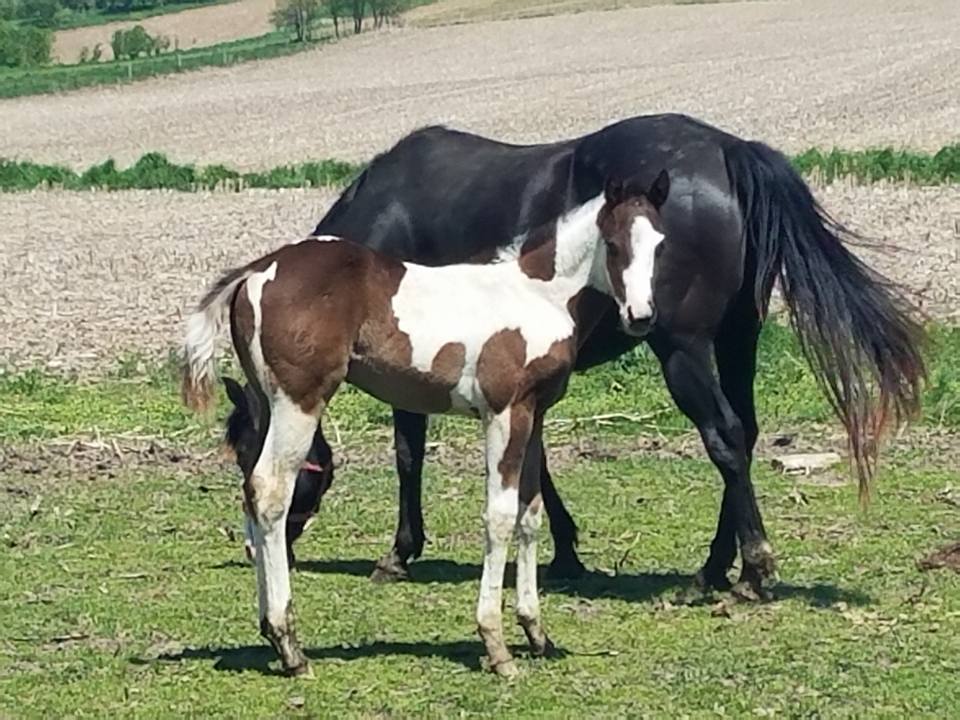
(155, 171)
(60, 78)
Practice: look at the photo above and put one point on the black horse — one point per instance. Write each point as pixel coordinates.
(738, 217)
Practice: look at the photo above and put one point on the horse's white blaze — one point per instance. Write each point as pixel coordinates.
(500, 518)
(468, 304)
(638, 276)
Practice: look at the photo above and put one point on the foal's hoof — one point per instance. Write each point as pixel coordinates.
(544, 648)
(507, 669)
(250, 552)
(304, 671)
(389, 570)
(567, 567)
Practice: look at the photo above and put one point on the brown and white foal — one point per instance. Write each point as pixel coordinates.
(494, 341)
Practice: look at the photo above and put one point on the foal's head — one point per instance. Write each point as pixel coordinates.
(314, 478)
(632, 231)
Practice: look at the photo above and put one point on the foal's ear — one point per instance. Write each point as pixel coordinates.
(613, 191)
(235, 393)
(659, 190)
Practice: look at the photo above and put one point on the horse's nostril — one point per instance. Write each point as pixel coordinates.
(630, 315)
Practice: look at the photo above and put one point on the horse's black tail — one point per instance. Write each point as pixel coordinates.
(855, 328)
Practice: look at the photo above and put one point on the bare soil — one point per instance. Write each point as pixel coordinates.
(86, 277)
(186, 29)
(819, 72)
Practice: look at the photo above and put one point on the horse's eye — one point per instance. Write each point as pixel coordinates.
(612, 249)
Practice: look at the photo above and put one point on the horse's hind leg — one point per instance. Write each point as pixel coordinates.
(528, 527)
(736, 354)
(697, 392)
(268, 492)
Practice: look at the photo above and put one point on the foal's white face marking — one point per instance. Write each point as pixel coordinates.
(638, 275)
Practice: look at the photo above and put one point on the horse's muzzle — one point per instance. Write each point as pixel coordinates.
(639, 327)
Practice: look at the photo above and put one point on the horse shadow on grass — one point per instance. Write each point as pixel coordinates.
(262, 658)
(643, 587)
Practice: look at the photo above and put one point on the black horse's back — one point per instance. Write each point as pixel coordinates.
(441, 196)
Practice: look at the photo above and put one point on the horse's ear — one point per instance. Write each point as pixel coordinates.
(235, 393)
(659, 190)
(613, 191)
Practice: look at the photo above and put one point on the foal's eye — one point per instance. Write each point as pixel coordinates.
(612, 249)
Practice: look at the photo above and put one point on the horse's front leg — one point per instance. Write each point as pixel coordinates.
(268, 492)
(507, 435)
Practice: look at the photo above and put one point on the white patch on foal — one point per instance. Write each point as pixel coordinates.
(470, 303)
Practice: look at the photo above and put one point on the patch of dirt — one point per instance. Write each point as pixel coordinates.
(946, 557)
(25, 469)
(186, 29)
(852, 74)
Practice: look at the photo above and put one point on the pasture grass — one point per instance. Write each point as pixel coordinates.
(124, 594)
(155, 171)
(620, 398)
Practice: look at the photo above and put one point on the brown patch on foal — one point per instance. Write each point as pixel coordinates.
(538, 257)
(501, 358)
(447, 365)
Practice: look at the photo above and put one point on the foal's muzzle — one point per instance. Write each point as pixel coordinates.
(638, 327)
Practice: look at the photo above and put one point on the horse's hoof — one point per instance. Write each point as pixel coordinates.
(760, 558)
(708, 579)
(545, 649)
(389, 573)
(507, 669)
(566, 568)
(304, 671)
(751, 592)
(250, 552)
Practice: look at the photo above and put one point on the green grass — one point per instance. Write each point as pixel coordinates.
(155, 171)
(59, 78)
(121, 596)
(873, 165)
(35, 405)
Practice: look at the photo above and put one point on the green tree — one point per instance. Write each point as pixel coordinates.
(296, 15)
(24, 45)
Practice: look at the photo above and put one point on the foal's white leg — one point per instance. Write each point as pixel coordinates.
(504, 459)
(269, 492)
(528, 528)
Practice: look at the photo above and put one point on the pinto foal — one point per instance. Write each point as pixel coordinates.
(497, 342)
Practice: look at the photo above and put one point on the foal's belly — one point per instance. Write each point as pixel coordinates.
(434, 392)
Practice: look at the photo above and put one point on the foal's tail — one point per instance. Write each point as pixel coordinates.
(203, 326)
(855, 328)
